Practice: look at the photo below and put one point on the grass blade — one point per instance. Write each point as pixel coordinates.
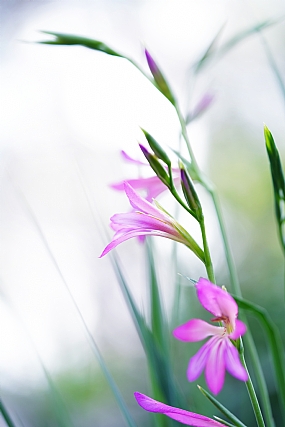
(275, 343)
(222, 408)
(230, 44)
(94, 348)
(158, 321)
(278, 183)
(6, 415)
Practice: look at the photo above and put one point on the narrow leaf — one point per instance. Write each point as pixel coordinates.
(162, 379)
(6, 415)
(236, 422)
(223, 421)
(278, 183)
(230, 44)
(159, 325)
(69, 39)
(275, 344)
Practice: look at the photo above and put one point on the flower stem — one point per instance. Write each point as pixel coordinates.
(232, 272)
(208, 261)
(251, 392)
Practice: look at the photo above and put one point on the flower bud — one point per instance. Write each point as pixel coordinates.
(156, 148)
(159, 79)
(156, 166)
(189, 192)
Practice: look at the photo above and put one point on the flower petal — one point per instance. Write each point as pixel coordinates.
(126, 234)
(196, 330)
(131, 159)
(215, 366)
(217, 301)
(142, 205)
(239, 330)
(184, 417)
(233, 363)
(198, 361)
(133, 220)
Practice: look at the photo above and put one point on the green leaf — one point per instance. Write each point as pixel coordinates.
(159, 325)
(275, 344)
(161, 375)
(223, 421)
(230, 44)
(236, 422)
(6, 415)
(69, 39)
(209, 51)
(278, 183)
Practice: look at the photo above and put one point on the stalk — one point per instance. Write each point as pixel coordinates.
(251, 392)
(208, 261)
(232, 272)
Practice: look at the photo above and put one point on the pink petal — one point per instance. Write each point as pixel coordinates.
(126, 234)
(233, 363)
(140, 204)
(131, 159)
(215, 300)
(196, 330)
(215, 366)
(138, 220)
(184, 417)
(240, 330)
(198, 361)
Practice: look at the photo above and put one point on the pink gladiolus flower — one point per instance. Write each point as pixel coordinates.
(151, 186)
(218, 354)
(184, 417)
(147, 220)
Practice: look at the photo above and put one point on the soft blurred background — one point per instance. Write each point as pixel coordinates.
(66, 112)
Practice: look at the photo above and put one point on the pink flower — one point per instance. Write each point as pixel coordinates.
(184, 417)
(152, 186)
(218, 354)
(147, 220)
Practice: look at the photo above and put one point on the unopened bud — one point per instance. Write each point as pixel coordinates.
(159, 78)
(156, 148)
(189, 192)
(156, 166)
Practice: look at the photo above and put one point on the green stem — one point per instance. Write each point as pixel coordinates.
(232, 271)
(5, 415)
(264, 396)
(208, 261)
(230, 262)
(186, 138)
(251, 392)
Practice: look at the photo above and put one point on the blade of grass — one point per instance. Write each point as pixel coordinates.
(278, 183)
(230, 44)
(159, 325)
(162, 378)
(275, 344)
(63, 417)
(223, 421)
(222, 408)
(94, 348)
(6, 416)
